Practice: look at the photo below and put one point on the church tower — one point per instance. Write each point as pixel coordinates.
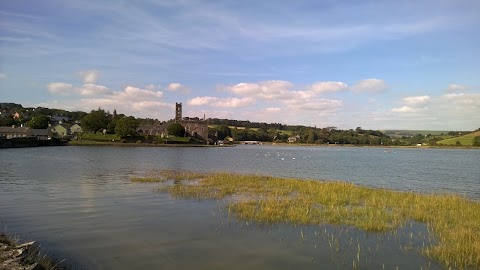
(178, 112)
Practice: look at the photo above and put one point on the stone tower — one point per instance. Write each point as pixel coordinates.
(178, 112)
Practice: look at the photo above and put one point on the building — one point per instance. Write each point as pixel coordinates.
(24, 132)
(156, 129)
(194, 127)
(15, 132)
(60, 130)
(75, 129)
(293, 139)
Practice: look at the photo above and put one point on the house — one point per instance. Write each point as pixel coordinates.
(41, 134)
(15, 132)
(293, 139)
(59, 130)
(75, 129)
(155, 129)
(59, 119)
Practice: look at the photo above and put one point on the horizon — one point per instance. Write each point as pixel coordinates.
(342, 64)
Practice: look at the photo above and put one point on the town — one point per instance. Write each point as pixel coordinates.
(40, 126)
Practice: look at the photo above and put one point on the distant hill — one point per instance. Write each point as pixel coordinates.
(466, 140)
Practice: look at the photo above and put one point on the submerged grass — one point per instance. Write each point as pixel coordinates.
(453, 220)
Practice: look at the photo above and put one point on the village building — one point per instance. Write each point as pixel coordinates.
(293, 139)
(194, 127)
(15, 132)
(76, 129)
(60, 130)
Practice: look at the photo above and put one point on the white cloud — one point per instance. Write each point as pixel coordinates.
(315, 105)
(177, 87)
(221, 102)
(3, 76)
(89, 76)
(464, 99)
(268, 90)
(60, 88)
(324, 87)
(131, 93)
(273, 110)
(416, 100)
(456, 87)
(405, 109)
(93, 90)
(369, 86)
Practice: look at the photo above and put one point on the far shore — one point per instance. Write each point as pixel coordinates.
(120, 144)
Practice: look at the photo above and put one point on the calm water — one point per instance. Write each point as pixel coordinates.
(79, 203)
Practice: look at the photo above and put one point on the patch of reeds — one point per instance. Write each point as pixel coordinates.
(32, 257)
(453, 220)
(168, 174)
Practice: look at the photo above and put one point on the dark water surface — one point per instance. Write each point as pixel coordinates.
(80, 204)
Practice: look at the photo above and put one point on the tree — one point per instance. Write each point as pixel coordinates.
(126, 126)
(96, 120)
(176, 130)
(476, 141)
(40, 121)
(7, 121)
(311, 136)
(223, 131)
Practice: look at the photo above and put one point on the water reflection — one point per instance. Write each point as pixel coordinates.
(80, 203)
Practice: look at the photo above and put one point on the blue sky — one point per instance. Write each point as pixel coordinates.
(374, 64)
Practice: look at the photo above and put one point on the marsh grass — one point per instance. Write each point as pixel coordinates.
(452, 220)
(32, 255)
(167, 175)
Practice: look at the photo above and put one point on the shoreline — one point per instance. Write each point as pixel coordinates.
(118, 144)
(15, 256)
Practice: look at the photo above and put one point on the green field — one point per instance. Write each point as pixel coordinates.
(100, 137)
(414, 132)
(466, 140)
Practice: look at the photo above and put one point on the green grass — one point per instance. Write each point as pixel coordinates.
(100, 137)
(466, 140)
(414, 132)
(287, 132)
(453, 220)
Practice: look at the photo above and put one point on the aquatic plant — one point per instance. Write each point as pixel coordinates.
(454, 221)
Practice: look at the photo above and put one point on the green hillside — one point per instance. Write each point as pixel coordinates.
(466, 140)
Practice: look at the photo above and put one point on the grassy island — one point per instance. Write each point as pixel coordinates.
(452, 220)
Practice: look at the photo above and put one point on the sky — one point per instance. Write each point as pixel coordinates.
(370, 64)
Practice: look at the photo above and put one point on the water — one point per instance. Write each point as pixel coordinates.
(80, 204)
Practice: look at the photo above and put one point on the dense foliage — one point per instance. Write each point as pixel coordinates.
(476, 141)
(40, 121)
(126, 126)
(175, 129)
(96, 120)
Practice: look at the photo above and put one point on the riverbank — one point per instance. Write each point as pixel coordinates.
(27, 256)
(127, 144)
(452, 220)
(30, 142)
(375, 146)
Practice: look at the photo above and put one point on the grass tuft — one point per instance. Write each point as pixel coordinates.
(453, 220)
